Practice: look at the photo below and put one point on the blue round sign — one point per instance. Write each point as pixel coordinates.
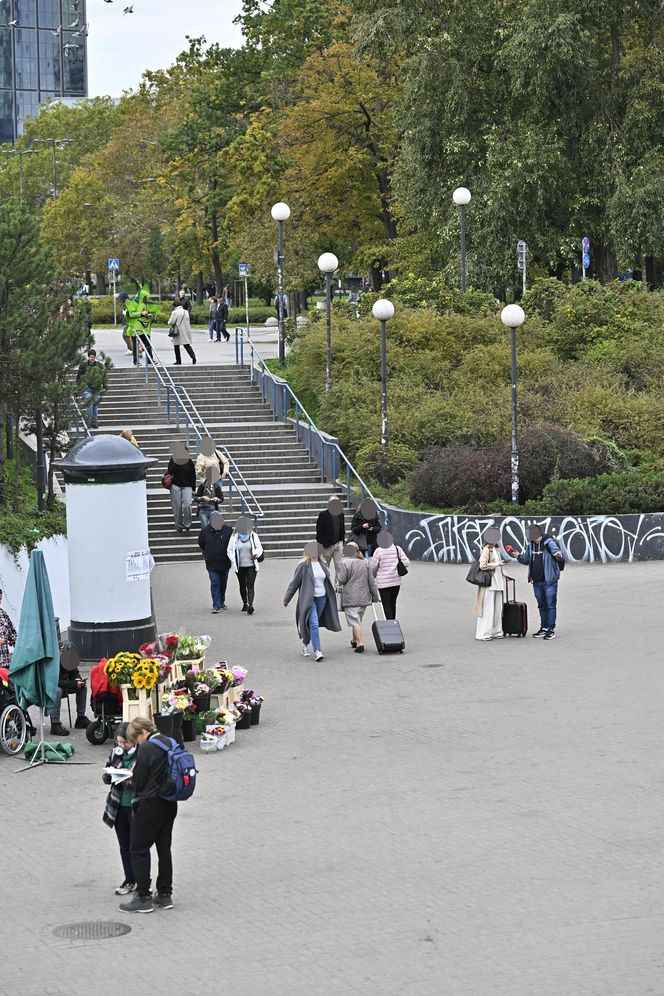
(586, 260)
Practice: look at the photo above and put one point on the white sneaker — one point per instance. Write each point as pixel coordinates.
(305, 650)
(318, 654)
(125, 889)
(129, 353)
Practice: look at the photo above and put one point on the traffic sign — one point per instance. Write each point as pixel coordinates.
(521, 246)
(585, 244)
(245, 269)
(114, 264)
(586, 260)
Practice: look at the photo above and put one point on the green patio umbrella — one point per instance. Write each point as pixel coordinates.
(35, 665)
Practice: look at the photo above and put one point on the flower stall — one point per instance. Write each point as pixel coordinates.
(170, 683)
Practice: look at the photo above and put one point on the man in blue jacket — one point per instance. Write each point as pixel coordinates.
(542, 555)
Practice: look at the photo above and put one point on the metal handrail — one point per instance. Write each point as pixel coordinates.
(190, 410)
(259, 513)
(326, 445)
(80, 419)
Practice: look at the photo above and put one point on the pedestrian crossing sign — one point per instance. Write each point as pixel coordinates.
(114, 264)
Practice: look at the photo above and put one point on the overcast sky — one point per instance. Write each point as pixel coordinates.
(121, 47)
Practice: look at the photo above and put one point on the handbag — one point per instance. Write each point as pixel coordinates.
(167, 481)
(477, 576)
(402, 570)
(174, 330)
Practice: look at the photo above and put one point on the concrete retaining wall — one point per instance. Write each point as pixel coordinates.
(13, 575)
(590, 539)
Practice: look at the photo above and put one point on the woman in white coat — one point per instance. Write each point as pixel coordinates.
(180, 332)
(489, 601)
(245, 552)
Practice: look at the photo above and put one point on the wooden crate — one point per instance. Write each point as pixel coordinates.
(179, 668)
(143, 705)
(235, 693)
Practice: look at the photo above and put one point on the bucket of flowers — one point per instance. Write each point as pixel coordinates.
(178, 702)
(219, 732)
(191, 649)
(137, 677)
(254, 700)
(244, 722)
(228, 718)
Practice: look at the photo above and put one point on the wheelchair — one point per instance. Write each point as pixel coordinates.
(15, 723)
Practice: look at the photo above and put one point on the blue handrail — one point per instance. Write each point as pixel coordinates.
(180, 395)
(331, 458)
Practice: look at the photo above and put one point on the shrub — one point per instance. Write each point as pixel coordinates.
(608, 494)
(386, 468)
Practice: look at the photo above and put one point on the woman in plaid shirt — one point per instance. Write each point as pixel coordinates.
(7, 636)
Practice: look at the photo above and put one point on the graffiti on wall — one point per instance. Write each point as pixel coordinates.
(457, 539)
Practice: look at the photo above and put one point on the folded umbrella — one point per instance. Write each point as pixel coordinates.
(35, 665)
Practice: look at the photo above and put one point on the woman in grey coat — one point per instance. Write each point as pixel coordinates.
(180, 332)
(316, 600)
(358, 589)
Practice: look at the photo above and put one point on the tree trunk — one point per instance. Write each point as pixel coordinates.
(606, 264)
(52, 454)
(649, 271)
(101, 282)
(215, 257)
(200, 290)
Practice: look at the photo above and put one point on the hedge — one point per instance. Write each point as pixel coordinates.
(102, 313)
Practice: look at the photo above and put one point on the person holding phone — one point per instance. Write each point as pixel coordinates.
(489, 600)
(543, 557)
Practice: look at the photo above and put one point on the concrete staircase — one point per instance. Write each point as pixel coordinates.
(275, 465)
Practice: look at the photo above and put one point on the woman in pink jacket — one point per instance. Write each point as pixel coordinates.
(385, 568)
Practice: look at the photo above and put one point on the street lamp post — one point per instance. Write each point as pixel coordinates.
(512, 317)
(383, 310)
(461, 198)
(53, 142)
(20, 153)
(327, 264)
(281, 213)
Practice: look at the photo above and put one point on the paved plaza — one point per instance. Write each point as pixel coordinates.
(466, 819)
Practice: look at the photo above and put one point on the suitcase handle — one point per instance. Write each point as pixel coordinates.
(507, 589)
(373, 606)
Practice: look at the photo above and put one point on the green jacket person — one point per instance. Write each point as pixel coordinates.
(140, 314)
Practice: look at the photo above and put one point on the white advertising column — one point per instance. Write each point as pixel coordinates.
(107, 539)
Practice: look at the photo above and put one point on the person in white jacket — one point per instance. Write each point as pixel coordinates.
(385, 568)
(180, 332)
(245, 552)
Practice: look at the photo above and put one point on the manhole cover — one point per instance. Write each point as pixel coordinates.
(91, 930)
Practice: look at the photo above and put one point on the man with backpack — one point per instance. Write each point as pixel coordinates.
(163, 773)
(545, 562)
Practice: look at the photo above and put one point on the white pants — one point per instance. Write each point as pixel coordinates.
(490, 623)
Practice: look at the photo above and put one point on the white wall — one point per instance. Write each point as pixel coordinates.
(13, 577)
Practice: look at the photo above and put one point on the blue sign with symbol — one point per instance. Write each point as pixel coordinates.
(245, 269)
(586, 260)
(114, 264)
(585, 244)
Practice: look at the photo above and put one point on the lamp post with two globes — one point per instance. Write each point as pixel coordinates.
(512, 317)
(461, 198)
(383, 311)
(327, 264)
(281, 213)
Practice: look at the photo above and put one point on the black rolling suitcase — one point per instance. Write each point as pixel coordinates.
(515, 615)
(387, 634)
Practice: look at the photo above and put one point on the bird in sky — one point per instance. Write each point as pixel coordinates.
(75, 4)
(128, 10)
(108, 1)
(74, 24)
(67, 49)
(84, 31)
(57, 32)
(12, 24)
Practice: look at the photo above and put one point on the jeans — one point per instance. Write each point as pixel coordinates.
(221, 330)
(123, 833)
(547, 599)
(81, 703)
(181, 504)
(93, 407)
(204, 513)
(211, 328)
(317, 610)
(218, 582)
(246, 577)
(153, 824)
(388, 597)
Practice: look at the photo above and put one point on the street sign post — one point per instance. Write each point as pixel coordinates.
(521, 252)
(585, 256)
(113, 267)
(245, 273)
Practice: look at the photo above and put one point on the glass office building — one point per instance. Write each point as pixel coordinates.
(42, 56)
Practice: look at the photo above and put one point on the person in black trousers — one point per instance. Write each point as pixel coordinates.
(330, 532)
(153, 819)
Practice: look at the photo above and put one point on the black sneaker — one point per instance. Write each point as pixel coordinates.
(353, 644)
(165, 902)
(82, 723)
(550, 634)
(245, 608)
(58, 730)
(540, 633)
(250, 610)
(359, 649)
(137, 904)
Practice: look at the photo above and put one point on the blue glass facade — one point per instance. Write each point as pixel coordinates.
(42, 57)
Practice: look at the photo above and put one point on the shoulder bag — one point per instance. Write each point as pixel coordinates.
(477, 576)
(402, 570)
(167, 481)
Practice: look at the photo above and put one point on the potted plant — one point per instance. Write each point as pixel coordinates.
(244, 722)
(255, 701)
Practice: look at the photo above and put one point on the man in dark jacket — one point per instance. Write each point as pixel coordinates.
(366, 526)
(330, 531)
(543, 557)
(70, 683)
(153, 819)
(213, 541)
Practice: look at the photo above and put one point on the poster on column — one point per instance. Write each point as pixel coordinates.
(139, 565)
